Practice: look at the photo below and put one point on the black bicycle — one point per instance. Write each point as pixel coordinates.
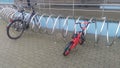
(17, 26)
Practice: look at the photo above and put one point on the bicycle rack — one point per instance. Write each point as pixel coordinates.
(19, 15)
(12, 12)
(40, 19)
(116, 32)
(12, 15)
(33, 21)
(108, 42)
(96, 33)
(1, 7)
(49, 17)
(101, 29)
(3, 13)
(75, 30)
(88, 25)
(55, 23)
(26, 17)
(7, 12)
(64, 24)
(1, 10)
(16, 15)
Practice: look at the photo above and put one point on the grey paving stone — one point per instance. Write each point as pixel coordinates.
(36, 50)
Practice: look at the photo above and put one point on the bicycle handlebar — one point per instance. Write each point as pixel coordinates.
(23, 7)
(83, 25)
(31, 6)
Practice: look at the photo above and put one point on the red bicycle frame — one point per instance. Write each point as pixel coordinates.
(77, 39)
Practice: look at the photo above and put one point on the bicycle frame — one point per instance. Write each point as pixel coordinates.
(23, 16)
(77, 38)
(21, 22)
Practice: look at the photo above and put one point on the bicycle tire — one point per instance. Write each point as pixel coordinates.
(14, 26)
(67, 49)
(82, 39)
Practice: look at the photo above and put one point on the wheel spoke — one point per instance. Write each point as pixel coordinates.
(15, 29)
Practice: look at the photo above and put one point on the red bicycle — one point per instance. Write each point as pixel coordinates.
(77, 38)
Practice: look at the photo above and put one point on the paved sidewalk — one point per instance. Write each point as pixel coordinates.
(35, 50)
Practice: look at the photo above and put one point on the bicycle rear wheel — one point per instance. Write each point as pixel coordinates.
(82, 39)
(67, 49)
(15, 29)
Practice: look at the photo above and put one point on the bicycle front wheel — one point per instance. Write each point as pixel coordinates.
(67, 49)
(15, 29)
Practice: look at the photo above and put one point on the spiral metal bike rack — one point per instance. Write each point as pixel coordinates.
(26, 16)
(64, 24)
(88, 25)
(3, 12)
(6, 13)
(11, 11)
(12, 15)
(96, 33)
(42, 29)
(47, 21)
(75, 30)
(55, 24)
(40, 20)
(118, 27)
(115, 36)
(47, 28)
(108, 42)
(101, 29)
(37, 23)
